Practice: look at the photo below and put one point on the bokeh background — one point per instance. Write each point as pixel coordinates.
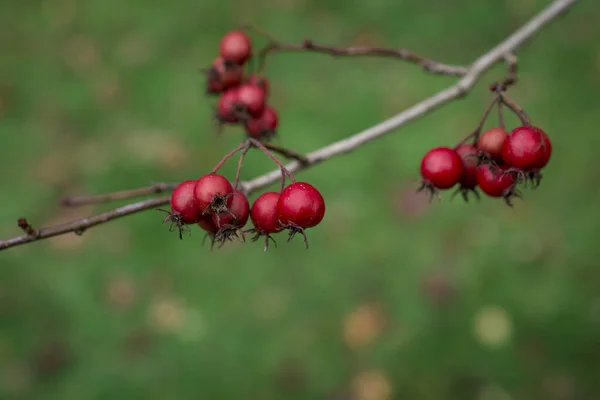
(396, 298)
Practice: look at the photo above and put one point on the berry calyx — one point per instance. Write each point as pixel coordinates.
(230, 223)
(235, 46)
(227, 111)
(300, 206)
(261, 82)
(441, 168)
(207, 224)
(497, 181)
(265, 218)
(469, 155)
(251, 98)
(526, 148)
(184, 208)
(223, 75)
(264, 126)
(491, 142)
(213, 194)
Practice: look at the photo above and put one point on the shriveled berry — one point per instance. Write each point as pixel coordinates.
(213, 194)
(223, 75)
(496, 181)
(226, 107)
(251, 98)
(263, 126)
(526, 148)
(261, 82)
(235, 46)
(441, 168)
(264, 217)
(238, 213)
(491, 142)
(301, 205)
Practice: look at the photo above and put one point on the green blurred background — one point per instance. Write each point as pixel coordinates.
(396, 299)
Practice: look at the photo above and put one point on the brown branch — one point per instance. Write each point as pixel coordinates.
(288, 153)
(155, 188)
(458, 90)
(79, 226)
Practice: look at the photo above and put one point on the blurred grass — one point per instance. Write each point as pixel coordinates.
(394, 299)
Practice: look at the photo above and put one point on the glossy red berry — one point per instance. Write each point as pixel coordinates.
(491, 142)
(223, 75)
(263, 126)
(206, 223)
(235, 46)
(251, 98)
(264, 214)
(526, 148)
(227, 107)
(183, 203)
(301, 205)
(469, 155)
(496, 181)
(213, 194)
(261, 82)
(237, 216)
(441, 168)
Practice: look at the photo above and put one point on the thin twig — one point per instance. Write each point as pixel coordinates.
(155, 188)
(239, 165)
(282, 168)
(507, 101)
(79, 226)
(475, 134)
(288, 153)
(227, 157)
(460, 89)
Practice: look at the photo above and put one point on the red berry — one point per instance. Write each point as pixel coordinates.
(301, 205)
(470, 158)
(261, 82)
(495, 181)
(264, 214)
(441, 167)
(183, 203)
(223, 75)
(525, 148)
(252, 98)
(213, 194)
(238, 213)
(264, 126)
(546, 150)
(492, 141)
(235, 46)
(227, 107)
(206, 222)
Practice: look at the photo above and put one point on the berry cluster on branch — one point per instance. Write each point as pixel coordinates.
(494, 161)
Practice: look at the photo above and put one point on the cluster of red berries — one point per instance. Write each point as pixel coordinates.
(243, 99)
(496, 162)
(222, 211)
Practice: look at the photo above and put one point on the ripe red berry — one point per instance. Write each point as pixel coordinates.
(263, 126)
(469, 155)
(223, 75)
(251, 98)
(526, 148)
(441, 168)
(227, 111)
(206, 223)
(238, 213)
(235, 46)
(496, 181)
(213, 194)
(301, 205)
(491, 142)
(264, 214)
(546, 150)
(183, 203)
(261, 82)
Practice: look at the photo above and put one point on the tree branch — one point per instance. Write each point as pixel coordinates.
(155, 188)
(458, 90)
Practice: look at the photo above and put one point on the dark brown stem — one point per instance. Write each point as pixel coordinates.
(512, 68)
(515, 109)
(287, 153)
(239, 165)
(26, 226)
(475, 134)
(155, 188)
(284, 170)
(79, 226)
(227, 157)
(501, 116)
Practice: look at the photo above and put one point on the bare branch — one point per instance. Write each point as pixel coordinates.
(79, 226)
(460, 89)
(120, 195)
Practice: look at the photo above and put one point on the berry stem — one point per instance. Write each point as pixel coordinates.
(284, 170)
(475, 134)
(515, 108)
(501, 116)
(287, 152)
(240, 162)
(227, 157)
